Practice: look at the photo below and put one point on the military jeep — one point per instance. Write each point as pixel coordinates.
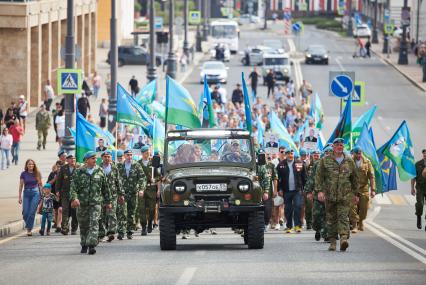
(210, 182)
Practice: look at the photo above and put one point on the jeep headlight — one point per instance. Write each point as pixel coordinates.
(179, 187)
(243, 187)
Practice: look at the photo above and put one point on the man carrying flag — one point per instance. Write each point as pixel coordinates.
(365, 172)
(419, 182)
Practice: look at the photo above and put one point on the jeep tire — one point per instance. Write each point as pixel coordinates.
(167, 231)
(256, 230)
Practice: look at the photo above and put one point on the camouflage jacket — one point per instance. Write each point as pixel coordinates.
(42, 120)
(272, 174)
(135, 181)
(310, 183)
(365, 173)
(151, 185)
(338, 181)
(114, 182)
(89, 189)
(420, 180)
(264, 179)
(63, 180)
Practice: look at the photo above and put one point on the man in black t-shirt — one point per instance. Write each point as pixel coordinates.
(254, 76)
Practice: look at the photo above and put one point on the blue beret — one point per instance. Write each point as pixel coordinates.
(61, 152)
(128, 151)
(89, 154)
(107, 152)
(119, 153)
(356, 149)
(157, 152)
(145, 148)
(327, 149)
(47, 186)
(338, 140)
(303, 151)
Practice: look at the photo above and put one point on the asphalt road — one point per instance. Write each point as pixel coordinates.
(390, 251)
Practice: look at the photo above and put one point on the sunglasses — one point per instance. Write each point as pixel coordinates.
(282, 151)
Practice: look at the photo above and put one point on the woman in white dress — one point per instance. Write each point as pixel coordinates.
(60, 126)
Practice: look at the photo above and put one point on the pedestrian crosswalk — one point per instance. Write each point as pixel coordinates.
(394, 199)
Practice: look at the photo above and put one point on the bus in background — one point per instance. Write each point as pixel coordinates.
(225, 32)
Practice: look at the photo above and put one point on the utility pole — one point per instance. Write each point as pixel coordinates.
(151, 74)
(68, 141)
(403, 49)
(385, 35)
(185, 25)
(265, 22)
(206, 20)
(112, 100)
(171, 60)
(375, 39)
(349, 32)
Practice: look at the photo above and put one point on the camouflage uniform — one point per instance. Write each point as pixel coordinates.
(132, 184)
(365, 174)
(62, 185)
(318, 211)
(42, 127)
(108, 221)
(146, 204)
(420, 187)
(308, 203)
(339, 182)
(272, 176)
(93, 193)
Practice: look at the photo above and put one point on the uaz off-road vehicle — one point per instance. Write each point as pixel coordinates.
(210, 182)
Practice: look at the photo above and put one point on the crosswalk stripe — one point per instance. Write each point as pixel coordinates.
(397, 200)
(411, 200)
(382, 199)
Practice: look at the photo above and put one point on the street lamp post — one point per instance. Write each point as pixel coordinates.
(171, 60)
(198, 37)
(375, 39)
(112, 100)
(185, 25)
(265, 17)
(385, 35)
(403, 49)
(68, 141)
(349, 32)
(206, 20)
(151, 74)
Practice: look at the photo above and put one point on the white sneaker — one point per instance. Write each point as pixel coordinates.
(277, 227)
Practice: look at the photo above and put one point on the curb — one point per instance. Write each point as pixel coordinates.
(15, 227)
(411, 79)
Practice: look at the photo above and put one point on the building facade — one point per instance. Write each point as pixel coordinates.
(32, 35)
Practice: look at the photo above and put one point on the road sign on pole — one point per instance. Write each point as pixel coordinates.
(158, 23)
(358, 96)
(341, 83)
(69, 81)
(194, 17)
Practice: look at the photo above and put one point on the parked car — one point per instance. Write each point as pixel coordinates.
(133, 55)
(316, 54)
(248, 19)
(362, 31)
(215, 72)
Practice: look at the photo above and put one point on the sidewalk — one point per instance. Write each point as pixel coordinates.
(10, 211)
(413, 72)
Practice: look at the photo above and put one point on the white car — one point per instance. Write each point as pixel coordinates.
(226, 52)
(362, 31)
(248, 19)
(215, 72)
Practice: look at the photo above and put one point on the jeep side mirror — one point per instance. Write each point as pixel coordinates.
(261, 159)
(156, 161)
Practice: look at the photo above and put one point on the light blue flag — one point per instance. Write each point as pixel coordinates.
(344, 126)
(84, 138)
(260, 132)
(281, 132)
(363, 119)
(147, 94)
(249, 121)
(298, 135)
(388, 170)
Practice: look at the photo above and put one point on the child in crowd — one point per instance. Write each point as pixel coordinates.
(46, 207)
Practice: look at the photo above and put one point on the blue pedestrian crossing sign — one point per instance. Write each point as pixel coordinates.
(358, 96)
(341, 86)
(69, 81)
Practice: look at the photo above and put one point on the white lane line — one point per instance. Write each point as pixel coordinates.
(382, 199)
(399, 245)
(374, 214)
(339, 63)
(186, 276)
(411, 200)
(291, 45)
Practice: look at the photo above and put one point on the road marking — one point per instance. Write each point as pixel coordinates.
(339, 63)
(411, 200)
(397, 199)
(291, 45)
(374, 214)
(186, 276)
(382, 199)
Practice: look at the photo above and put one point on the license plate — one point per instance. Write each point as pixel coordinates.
(211, 187)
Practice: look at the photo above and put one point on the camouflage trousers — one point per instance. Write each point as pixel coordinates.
(108, 220)
(146, 207)
(318, 214)
(358, 211)
(420, 199)
(42, 135)
(68, 212)
(131, 200)
(308, 210)
(337, 216)
(121, 213)
(89, 216)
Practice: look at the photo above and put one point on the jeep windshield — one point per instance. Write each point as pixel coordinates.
(203, 149)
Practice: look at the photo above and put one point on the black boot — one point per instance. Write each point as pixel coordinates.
(419, 222)
(83, 249)
(150, 227)
(92, 250)
(317, 236)
(143, 233)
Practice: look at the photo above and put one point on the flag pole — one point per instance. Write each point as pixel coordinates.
(167, 104)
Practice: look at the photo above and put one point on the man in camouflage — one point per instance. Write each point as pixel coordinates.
(134, 182)
(418, 188)
(147, 199)
(121, 208)
(108, 220)
(365, 172)
(62, 186)
(273, 186)
(89, 193)
(336, 182)
(307, 204)
(318, 211)
(42, 126)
